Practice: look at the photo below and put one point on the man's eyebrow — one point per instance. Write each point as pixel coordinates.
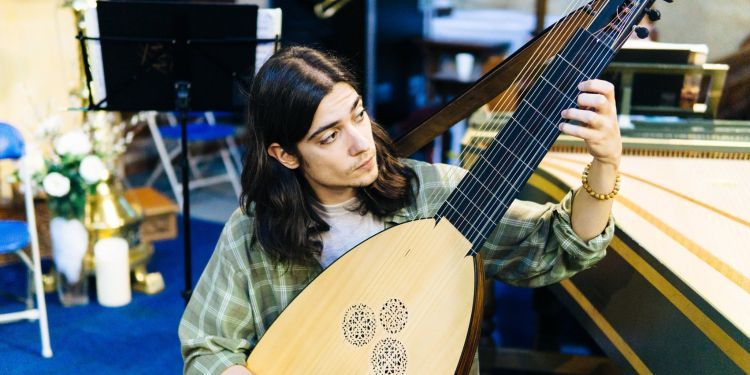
(326, 127)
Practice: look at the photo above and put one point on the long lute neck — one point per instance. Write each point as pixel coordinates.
(484, 195)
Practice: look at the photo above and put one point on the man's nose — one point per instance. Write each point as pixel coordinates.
(359, 142)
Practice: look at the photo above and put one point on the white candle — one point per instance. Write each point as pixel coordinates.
(464, 66)
(112, 272)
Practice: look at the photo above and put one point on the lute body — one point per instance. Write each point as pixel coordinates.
(416, 292)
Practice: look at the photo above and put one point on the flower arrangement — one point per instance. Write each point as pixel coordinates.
(68, 164)
(64, 181)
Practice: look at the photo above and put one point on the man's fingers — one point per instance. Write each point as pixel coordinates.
(598, 102)
(598, 86)
(578, 131)
(590, 118)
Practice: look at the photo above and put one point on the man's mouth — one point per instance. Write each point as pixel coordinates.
(366, 164)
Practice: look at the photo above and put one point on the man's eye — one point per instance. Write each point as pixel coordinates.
(329, 138)
(360, 115)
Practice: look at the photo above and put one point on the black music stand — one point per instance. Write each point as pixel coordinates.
(174, 57)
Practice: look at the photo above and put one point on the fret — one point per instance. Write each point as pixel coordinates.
(473, 194)
(500, 162)
(540, 113)
(496, 174)
(459, 221)
(502, 186)
(553, 94)
(512, 140)
(487, 188)
(518, 158)
(534, 134)
(468, 199)
(564, 95)
(479, 223)
(579, 56)
(533, 138)
(560, 75)
(571, 65)
(477, 188)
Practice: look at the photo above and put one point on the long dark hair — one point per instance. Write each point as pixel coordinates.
(283, 98)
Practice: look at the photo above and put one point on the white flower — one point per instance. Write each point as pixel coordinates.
(100, 135)
(75, 142)
(34, 161)
(92, 169)
(50, 125)
(56, 184)
(79, 5)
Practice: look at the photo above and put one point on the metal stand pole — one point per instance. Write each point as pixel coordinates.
(182, 105)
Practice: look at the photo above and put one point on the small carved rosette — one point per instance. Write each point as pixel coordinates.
(389, 355)
(359, 325)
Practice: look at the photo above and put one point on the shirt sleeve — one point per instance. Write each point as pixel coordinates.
(535, 245)
(217, 322)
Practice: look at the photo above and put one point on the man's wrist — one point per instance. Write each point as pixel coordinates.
(613, 162)
(602, 176)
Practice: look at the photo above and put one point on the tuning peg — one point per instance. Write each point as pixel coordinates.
(653, 14)
(641, 32)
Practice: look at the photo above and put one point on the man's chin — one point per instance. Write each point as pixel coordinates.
(369, 179)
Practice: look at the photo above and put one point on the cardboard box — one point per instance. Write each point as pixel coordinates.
(159, 213)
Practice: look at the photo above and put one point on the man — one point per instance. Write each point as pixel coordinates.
(320, 177)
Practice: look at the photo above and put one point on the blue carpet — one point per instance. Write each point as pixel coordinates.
(140, 338)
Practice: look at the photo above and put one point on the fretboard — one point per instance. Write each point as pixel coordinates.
(476, 206)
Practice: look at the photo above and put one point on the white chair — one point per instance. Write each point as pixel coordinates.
(17, 235)
(205, 130)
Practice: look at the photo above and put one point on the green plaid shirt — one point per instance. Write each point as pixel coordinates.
(242, 291)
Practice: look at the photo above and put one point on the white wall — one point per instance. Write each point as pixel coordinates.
(38, 61)
(721, 24)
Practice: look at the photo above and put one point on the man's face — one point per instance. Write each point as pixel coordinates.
(338, 152)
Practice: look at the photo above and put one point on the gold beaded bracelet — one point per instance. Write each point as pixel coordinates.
(592, 193)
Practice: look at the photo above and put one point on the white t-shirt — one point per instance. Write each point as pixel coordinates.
(348, 229)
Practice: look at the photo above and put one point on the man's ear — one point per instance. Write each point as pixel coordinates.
(286, 159)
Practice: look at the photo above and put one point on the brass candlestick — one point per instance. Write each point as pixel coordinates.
(109, 214)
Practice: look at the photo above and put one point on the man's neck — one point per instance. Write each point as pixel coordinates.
(330, 196)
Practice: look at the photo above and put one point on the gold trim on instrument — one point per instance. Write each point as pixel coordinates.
(720, 266)
(661, 153)
(675, 193)
(675, 148)
(723, 341)
(556, 192)
(606, 328)
(546, 186)
(717, 264)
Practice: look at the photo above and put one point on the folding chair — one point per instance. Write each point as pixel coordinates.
(202, 131)
(17, 235)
